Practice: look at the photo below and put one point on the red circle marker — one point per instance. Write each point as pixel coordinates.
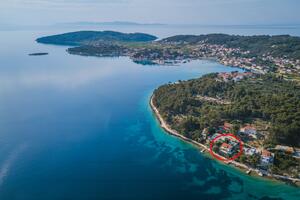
(222, 158)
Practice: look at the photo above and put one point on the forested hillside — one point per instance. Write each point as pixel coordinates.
(88, 37)
(264, 97)
(277, 46)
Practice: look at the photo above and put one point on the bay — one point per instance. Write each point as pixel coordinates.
(76, 127)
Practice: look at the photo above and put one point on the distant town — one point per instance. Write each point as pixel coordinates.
(174, 53)
(258, 54)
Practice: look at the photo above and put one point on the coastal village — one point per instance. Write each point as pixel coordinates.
(228, 147)
(237, 58)
(175, 52)
(172, 53)
(251, 136)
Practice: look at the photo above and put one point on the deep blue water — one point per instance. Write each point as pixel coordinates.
(76, 127)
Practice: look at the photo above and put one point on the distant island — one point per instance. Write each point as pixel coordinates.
(93, 38)
(260, 54)
(38, 54)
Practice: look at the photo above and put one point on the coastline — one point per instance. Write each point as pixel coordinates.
(166, 127)
(204, 149)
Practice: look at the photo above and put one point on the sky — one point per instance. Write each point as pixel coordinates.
(203, 12)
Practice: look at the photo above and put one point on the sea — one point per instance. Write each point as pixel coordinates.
(81, 128)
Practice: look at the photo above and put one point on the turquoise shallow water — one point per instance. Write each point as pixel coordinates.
(76, 127)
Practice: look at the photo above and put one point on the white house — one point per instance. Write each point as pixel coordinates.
(267, 158)
(214, 136)
(250, 151)
(249, 130)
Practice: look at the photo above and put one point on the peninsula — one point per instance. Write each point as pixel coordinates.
(261, 110)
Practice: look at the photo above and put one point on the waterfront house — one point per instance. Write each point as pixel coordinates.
(204, 133)
(226, 149)
(267, 158)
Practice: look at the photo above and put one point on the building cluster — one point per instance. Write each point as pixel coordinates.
(237, 58)
(159, 56)
(248, 131)
(175, 53)
(228, 146)
(227, 149)
(295, 152)
(234, 76)
(286, 66)
(178, 53)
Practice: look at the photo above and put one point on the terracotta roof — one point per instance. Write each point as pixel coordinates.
(226, 146)
(266, 153)
(227, 125)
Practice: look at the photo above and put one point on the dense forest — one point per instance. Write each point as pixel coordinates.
(265, 97)
(277, 46)
(102, 49)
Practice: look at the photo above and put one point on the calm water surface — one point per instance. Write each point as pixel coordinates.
(76, 127)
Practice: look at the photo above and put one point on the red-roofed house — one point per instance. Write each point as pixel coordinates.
(267, 157)
(226, 148)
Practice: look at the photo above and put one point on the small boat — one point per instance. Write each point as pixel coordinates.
(260, 174)
(249, 171)
(202, 150)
